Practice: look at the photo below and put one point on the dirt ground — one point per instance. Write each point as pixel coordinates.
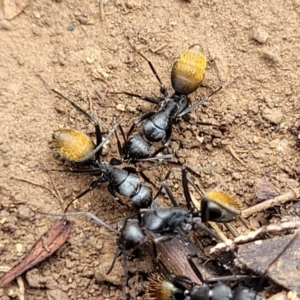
(82, 56)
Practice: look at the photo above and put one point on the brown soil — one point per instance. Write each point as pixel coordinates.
(256, 41)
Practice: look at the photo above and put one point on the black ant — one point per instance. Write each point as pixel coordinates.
(186, 76)
(179, 287)
(78, 148)
(164, 222)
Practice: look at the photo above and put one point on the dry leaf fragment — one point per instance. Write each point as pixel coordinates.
(44, 247)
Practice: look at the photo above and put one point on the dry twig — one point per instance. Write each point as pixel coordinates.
(101, 9)
(293, 194)
(233, 153)
(20, 282)
(254, 235)
(36, 184)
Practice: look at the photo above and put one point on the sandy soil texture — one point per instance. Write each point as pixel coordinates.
(83, 56)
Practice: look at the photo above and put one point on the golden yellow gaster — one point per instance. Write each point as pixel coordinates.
(72, 144)
(188, 70)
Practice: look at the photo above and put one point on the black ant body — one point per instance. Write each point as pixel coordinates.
(161, 224)
(79, 149)
(179, 287)
(186, 76)
(164, 222)
(134, 231)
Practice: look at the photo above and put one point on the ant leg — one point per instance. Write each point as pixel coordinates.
(92, 186)
(90, 170)
(193, 266)
(94, 152)
(161, 157)
(85, 214)
(197, 221)
(163, 89)
(117, 254)
(229, 278)
(164, 238)
(202, 100)
(169, 193)
(123, 133)
(125, 267)
(185, 179)
(114, 195)
(115, 161)
(161, 186)
(142, 97)
(146, 178)
(186, 191)
(188, 120)
(88, 116)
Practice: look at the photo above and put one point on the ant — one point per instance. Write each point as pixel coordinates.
(180, 287)
(186, 76)
(158, 224)
(86, 157)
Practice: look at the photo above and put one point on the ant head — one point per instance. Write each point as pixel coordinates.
(188, 70)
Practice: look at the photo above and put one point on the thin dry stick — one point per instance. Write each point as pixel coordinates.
(218, 231)
(102, 15)
(36, 184)
(290, 195)
(60, 199)
(159, 48)
(233, 153)
(21, 290)
(254, 235)
(20, 282)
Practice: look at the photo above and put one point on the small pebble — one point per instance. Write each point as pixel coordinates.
(120, 107)
(19, 247)
(200, 139)
(256, 139)
(271, 58)
(90, 60)
(71, 28)
(272, 115)
(24, 212)
(4, 24)
(260, 35)
(264, 189)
